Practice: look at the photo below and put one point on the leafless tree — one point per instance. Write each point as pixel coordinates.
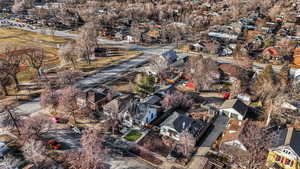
(286, 47)
(67, 54)
(22, 5)
(9, 162)
(187, 143)
(113, 111)
(68, 77)
(10, 118)
(86, 42)
(176, 100)
(256, 140)
(92, 154)
(34, 127)
(36, 152)
(49, 98)
(68, 101)
(204, 71)
(13, 63)
(35, 59)
(135, 32)
(5, 78)
(275, 11)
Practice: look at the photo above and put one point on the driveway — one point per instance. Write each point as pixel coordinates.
(215, 131)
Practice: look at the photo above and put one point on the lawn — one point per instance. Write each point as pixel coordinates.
(133, 135)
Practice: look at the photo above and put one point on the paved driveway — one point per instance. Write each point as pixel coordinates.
(217, 129)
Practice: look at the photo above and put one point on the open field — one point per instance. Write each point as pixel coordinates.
(16, 39)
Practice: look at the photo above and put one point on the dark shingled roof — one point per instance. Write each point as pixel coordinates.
(182, 122)
(235, 104)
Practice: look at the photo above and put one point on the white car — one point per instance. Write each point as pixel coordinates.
(3, 149)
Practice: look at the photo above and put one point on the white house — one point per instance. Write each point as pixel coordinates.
(138, 114)
(234, 108)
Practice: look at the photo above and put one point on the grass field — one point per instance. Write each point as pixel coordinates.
(133, 135)
(17, 39)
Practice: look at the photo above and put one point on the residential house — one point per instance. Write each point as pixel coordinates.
(285, 152)
(118, 105)
(234, 108)
(138, 114)
(231, 135)
(178, 123)
(93, 98)
(297, 56)
(170, 56)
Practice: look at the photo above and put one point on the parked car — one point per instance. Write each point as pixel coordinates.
(54, 144)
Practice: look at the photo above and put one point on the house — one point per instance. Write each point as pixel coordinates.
(297, 75)
(231, 135)
(119, 104)
(178, 123)
(170, 55)
(234, 108)
(93, 98)
(297, 56)
(233, 72)
(138, 114)
(285, 152)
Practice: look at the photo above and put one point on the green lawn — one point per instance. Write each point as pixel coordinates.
(133, 135)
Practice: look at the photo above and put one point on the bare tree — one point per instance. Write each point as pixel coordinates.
(68, 101)
(176, 100)
(68, 77)
(35, 59)
(135, 32)
(22, 5)
(286, 46)
(113, 111)
(275, 11)
(13, 63)
(93, 152)
(86, 42)
(67, 54)
(5, 78)
(9, 162)
(187, 143)
(49, 98)
(36, 152)
(204, 71)
(11, 118)
(34, 127)
(256, 140)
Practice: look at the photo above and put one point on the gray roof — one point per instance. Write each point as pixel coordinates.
(236, 104)
(154, 99)
(288, 136)
(181, 122)
(138, 110)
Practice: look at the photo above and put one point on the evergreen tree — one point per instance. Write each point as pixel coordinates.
(145, 85)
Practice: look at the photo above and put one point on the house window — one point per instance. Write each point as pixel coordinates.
(278, 158)
(152, 115)
(292, 163)
(287, 162)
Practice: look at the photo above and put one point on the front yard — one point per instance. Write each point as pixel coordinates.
(133, 135)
